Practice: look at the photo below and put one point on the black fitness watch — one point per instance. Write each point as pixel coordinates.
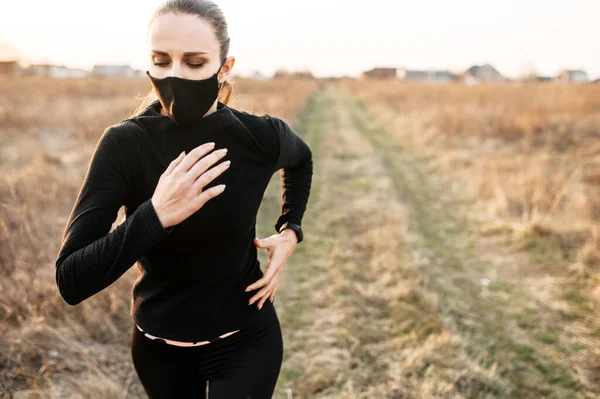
(297, 229)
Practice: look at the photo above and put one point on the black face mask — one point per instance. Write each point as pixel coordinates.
(186, 101)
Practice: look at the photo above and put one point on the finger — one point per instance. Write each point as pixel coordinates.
(261, 243)
(257, 284)
(275, 285)
(210, 175)
(174, 163)
(205, 162)
(198, 170)
(207, 195)
(193, 156)
(269, 272)
(255, 298)
(261, 293)
(272, 294)
(264, 299)
(276, 261)
(266, 291)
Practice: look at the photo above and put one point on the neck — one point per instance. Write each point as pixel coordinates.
(214, 118)
(210, 111)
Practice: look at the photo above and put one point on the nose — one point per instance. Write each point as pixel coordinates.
(176, 70)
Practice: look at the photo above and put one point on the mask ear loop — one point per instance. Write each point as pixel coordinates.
(221, 81)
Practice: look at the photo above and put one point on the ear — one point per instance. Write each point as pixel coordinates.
(226, 69)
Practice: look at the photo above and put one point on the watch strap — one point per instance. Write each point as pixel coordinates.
(297, 229)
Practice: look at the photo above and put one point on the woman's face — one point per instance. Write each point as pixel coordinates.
(184, 46)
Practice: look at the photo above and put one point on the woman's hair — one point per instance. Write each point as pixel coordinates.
(209, 11)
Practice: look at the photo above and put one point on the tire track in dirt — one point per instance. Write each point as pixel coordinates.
(365, 327)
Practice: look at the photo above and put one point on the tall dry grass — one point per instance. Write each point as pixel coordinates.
(528, 155)
(48, 129)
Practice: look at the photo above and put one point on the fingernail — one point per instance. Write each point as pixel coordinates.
(211, 144)
(224, 150)
(227, 163)
(222, 186)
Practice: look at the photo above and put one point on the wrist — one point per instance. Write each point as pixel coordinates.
(289, 233)
(159, 215)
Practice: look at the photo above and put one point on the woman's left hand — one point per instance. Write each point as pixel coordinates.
(280, 247)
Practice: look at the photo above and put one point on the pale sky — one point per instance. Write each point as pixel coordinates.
(329, 37)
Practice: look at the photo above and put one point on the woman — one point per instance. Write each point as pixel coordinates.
(191, 172)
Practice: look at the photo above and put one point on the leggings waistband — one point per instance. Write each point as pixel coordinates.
(183, 343)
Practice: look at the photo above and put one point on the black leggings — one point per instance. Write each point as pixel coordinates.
(244, 365)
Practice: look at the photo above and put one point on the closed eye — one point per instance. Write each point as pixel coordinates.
(163, 64)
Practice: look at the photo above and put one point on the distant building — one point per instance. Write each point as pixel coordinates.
(54, 71)
(48, 70)
(545, 78)
(284, 73)
(58, 71)
(596, 81)
(573, 76)
(9, 68)
(78, 73)
(281, 73)
(115, 71)
(381, 73)
(533, 77)
(303, 74)
(482, 74)
(424, 75)
(409, 74)
(38, 70)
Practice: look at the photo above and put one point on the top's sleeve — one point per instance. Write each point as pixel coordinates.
(92, 257)
(295, 160)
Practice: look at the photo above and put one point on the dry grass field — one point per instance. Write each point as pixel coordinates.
(48, 130)
(451, 248)
(526, 161)
(529, 154)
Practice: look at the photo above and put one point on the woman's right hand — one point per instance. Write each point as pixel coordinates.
(179, 192)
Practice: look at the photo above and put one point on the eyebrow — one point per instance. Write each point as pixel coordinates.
(192, 53)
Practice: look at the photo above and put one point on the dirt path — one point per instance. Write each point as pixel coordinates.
(356, 321)
(392, 295)
(528, 327)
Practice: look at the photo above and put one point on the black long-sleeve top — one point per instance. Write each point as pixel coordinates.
(192, 276)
